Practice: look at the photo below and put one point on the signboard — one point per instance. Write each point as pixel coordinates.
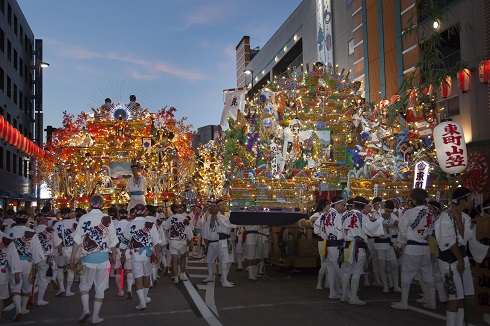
(421, 174)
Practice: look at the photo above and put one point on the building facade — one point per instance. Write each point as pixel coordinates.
(367, 37)
(17, 93)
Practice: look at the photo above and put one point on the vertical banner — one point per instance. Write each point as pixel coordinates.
(324, 31)
(147, 145)
(421, 174)
(234, 101)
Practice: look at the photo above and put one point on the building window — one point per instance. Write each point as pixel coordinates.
(9, 50)
(21, 35)
(351, 46)
(2, 80)
(9, 87)
(21, 165)
(8, 161)
(21, 67)
(29, 169)
(2, 40)
(1, 158)
(16, 22)
(20, 128)
(15, 94)
(15, 59)
(2, 6)
(21, 103)
(14, 164)
(9, 14)
(25, 169)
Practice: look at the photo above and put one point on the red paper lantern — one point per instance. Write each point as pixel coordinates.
(428, 90)
(484, 71)
(1, 124)
(5, 126)
(446, 87)
(464, 80)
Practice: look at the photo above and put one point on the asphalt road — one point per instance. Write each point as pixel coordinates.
(283, 297)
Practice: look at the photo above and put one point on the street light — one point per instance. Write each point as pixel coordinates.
(250, 72)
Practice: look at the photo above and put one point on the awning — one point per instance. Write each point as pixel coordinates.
(14, 195)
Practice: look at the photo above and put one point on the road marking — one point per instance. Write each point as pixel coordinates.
(202, 286)
(198, 275)
(203, 308)
(429, 313)
(197, 267)
(209, 297)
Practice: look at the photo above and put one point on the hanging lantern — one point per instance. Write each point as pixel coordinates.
(464, 80)
(484, 71)
(4, 131)
(1, 124)
(446, 87)
(428, 90)
(450, 147)
(395, 98)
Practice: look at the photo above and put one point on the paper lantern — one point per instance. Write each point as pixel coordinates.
(3, 134)
(1, 124)
(446, 87)
(484, 71)
(428, 90)
(450, 147)
(464, 80)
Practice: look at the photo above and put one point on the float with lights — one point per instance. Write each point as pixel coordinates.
(92, 154)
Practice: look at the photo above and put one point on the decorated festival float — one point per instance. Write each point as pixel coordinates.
(311, 134)
(92, 154)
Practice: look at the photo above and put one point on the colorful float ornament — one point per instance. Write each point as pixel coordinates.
(450, 147)
(476, 174)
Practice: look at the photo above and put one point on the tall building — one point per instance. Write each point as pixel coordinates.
(367, 37)
(204, 135)
(20, 70)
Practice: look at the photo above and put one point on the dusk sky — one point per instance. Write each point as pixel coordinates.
(168, 53)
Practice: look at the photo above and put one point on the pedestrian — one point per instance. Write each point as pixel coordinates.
(119, 266)
(414, 229)
(31, 254)
(96, 237)
(47, 269)
(10, 267)
(141, 238)
(453, 231)
(136, 187)
(66, 230)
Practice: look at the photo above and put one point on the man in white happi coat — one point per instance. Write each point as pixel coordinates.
(414, 229)
(127, 266)
(216, 235)
(96, 237)
(142, 239)
(10, 266)
(328, 226)
(355, 228)
(252, 250)
(65, 230)
(180, 237)
(136, 187)
(151, 215)
(51, 245)
(31, 254)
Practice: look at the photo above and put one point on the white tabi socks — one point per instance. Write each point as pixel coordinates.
(345, 287)
(431, 304)
(117, 278)
(251, 275)
(147, 299)
(70, 275)
(25, 300)
(224, 276)
(353, 291)
(141, 296)
(210, 273)
(460, 317)
(451, 318)
(321, 274)
(60, 277)
(403, 304)
(18, 304)
(95, 318)
(129, 282)
(86, 310)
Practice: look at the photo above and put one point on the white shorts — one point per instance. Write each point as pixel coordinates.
(141, 268)
(464, 283)
(127, 264)
(178, 247)
(386, 254)
(24, 285)
(357, 267)
(98, 277)
(252, 251)
(4, 291)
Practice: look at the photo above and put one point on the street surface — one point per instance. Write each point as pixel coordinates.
(283, 297)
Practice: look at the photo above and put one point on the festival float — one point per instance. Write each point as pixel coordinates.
(92, 154)
(310, 134)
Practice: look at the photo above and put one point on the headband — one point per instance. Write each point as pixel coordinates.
(455, 200)
(360, 202)
(398, 200)
(338, 201)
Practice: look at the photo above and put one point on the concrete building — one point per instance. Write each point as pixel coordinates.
(204, 135)
(366, 37)
(20, 55)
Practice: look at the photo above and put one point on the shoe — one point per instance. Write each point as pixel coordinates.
(59, 293)
(208, 279)
(319, 287)
(165, 272)
(140, 307)
(25, 312)
(397, 290)
(148, 300)
(227, 285)
(239, 269)
(129, 295)
(42, 303)
(158, 276)
(334, 296)
(357, 302)
(10, 307)
(120, 293)
(176, 279)
(97, 320)
(85, 316)
(69, 294)
(399, 306)
(422, 300)
(183, 277)
(386, 290)
(17, 317)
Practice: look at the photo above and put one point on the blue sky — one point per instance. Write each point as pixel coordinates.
(168, 53)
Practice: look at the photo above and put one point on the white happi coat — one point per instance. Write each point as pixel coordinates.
(9, 258)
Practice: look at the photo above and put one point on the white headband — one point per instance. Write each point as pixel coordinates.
(338, 201)
(360, 202)
(455, 200)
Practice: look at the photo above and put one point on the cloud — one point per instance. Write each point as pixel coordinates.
(141, 68)
(206, 15)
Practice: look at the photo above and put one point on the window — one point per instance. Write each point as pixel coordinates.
(15, 59)
(351, 46)
(20, 128)
(1, 158)
(21, 102)
(9, 50)
(25, 169)
(15, 94)
(16, 22)
(29, 169)
(2, 6)
(15, 124)
(8, 117)
(21, 165)
(9, 87)
(9, 14)
(8, 161)
(14, 164)
(2, 80)
(21, 67)
(2, 40)
(21, 35)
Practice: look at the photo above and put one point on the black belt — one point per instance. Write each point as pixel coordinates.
(335, 243)
(415, 243)
(370, 237)
(211, 241)
(361, 244)
(251, 232)
(394, 236)
(382, 240)
(223, 236)
(449, 257)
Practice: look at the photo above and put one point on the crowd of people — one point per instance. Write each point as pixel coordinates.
(78, 246)
(400, 242)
